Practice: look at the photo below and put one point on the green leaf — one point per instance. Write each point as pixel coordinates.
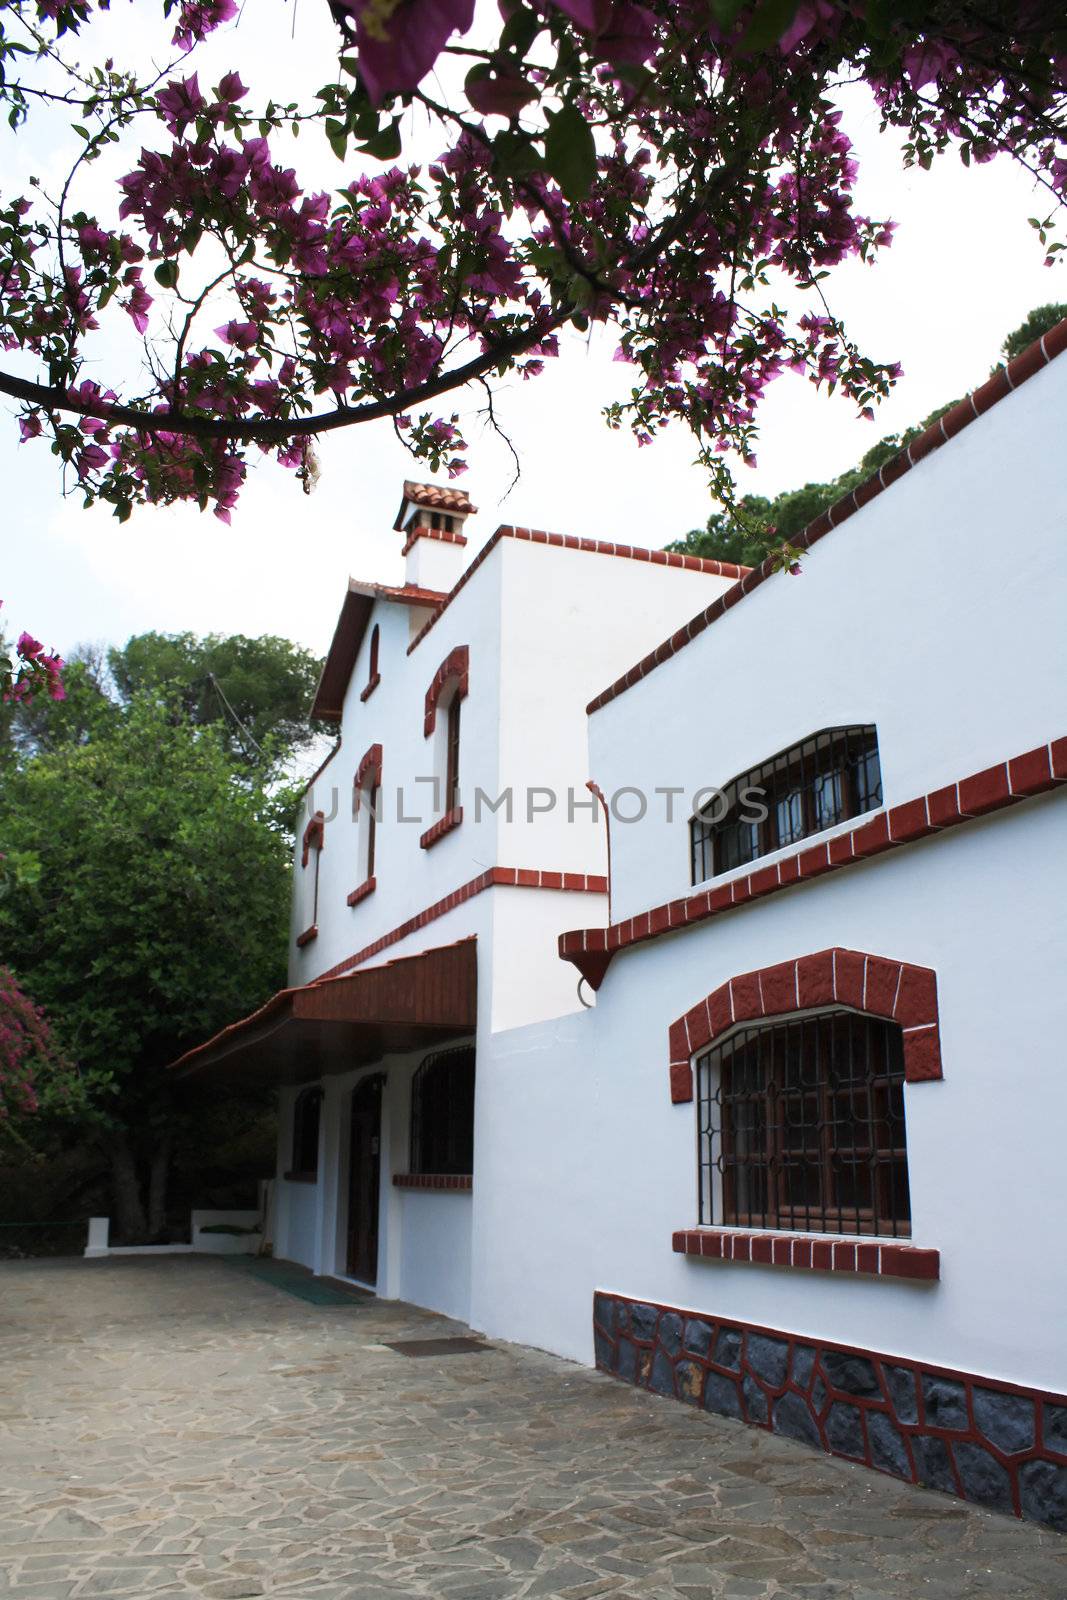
(166, 274)
(726, 12)
(386, 145)
(769, 21)
(570, 152)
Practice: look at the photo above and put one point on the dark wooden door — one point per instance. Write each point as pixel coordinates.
(364, 1173)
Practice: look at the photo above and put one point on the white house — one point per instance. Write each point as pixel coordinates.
(782, 1134)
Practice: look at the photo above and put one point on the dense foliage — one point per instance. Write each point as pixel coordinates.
(30, 1063)
(150, 908)
(677, 170)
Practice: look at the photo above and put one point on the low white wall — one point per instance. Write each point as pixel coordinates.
(590, 1168)
(226, 1244)
(435, 1250)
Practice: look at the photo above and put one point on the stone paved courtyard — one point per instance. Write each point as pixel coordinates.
(174, 1426)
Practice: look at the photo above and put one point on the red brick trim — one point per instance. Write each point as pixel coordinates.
(438, 829)
(433, 1180)
(366, 888)
(894, 1414)
(455, 668)
(434, 497)
(1003, 381)
(872, 984)
(492, 878)
(306, 937)
(821, 1254)
(372, 684)
(370, 766)
(314, 837)
(1034, 772)
(445, 535)
(598, 547)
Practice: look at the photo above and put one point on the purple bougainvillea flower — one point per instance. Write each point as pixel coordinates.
(398, 43)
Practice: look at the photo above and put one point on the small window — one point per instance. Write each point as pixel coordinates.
(372, 669)
(307, 1114)
(828, 778)
(452, 755)
(442, 1113)
(802, 1127)
(372, 826)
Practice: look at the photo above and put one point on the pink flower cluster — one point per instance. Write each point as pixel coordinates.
(36, 669)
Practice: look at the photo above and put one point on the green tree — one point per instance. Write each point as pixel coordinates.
(155, 913)
(1040, 320)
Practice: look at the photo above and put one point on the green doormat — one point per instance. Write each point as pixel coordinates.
(295, 1281)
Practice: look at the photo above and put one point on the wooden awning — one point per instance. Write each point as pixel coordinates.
(339, 1023)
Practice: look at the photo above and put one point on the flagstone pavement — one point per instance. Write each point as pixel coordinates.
(173, 1426)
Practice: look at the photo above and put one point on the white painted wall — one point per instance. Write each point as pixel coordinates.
(936, 612)
(435, 1250)
(588, 1151)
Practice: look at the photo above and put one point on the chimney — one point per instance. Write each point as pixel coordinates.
(431, 519)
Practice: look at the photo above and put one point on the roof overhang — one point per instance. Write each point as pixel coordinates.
(340, 1023)
(348, 636)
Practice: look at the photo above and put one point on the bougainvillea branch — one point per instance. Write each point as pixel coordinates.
(33, 670)
(676, 171)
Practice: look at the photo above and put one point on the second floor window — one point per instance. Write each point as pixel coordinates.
(828, 778)
(802, 1127)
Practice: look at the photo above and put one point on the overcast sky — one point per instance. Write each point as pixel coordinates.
(964, 269)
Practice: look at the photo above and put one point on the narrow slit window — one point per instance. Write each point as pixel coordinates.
(452, 756)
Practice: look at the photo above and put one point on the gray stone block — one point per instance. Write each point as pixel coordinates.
(627, 1362)
(1006, 1420)
(903, 1392)
(698, 1336)
(643, 1321)
(728, 1349)
(689, 1381)
(792, 1418)
(844, 1430)
(818, 1397)
(935, 1464)
(1055, 1429)
(983, 1477)
(945, 1402)
(622, 1317)
(803, 1365)
(768, 1358)
(887, 1447)
(755, 1400)
(670, 1332)
(1043, 1493)
(603, 1312)
(604, 1350)
(720, 1395)
(662, 1378)
(852, 1374)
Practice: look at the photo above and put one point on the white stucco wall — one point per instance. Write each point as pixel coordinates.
(588, 1151)
(935, 612)
(435, 1250)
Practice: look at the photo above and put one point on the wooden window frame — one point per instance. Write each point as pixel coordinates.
(452, 754)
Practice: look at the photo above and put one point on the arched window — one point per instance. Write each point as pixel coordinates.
(366, 796)
(307, 1115)
(829, 777)
(446, 693)
(801, 1126)
(442, 1113)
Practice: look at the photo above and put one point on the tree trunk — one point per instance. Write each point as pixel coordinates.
(129, 1207)
(157, 1185)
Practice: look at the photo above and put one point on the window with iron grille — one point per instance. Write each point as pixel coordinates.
(801, 1126)
(829, 777)
(442, 1113)
(307, 1114)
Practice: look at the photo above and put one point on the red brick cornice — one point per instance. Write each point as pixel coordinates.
(1001, 384)
(993, 789)
(314, 836)
(443, 535)
(455, 668)
(875, 985)
(492, 878)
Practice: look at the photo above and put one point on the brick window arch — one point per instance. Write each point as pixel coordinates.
(454, 669)
(449, 685)
(366, 792)
(875, 986)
